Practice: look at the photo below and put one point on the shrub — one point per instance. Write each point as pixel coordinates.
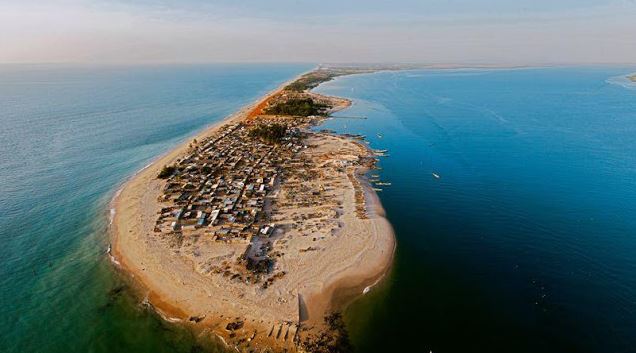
(166, 171)
(273, 133)
(297, 107)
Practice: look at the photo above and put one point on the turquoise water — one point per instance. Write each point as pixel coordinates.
(526, 242)
(70, 137)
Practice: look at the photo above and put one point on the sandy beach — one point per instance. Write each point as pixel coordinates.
(330, 249)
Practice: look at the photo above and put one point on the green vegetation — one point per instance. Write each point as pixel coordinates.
(311, 80)
(273, 133)
(166, 171)
(297, 107)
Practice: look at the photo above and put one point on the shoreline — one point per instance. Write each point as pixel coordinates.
(163, 308)
(332, 295)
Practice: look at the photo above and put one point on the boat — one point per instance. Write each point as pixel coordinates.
(379, 135)
(436, 176)
(383, 184)
(377, 189)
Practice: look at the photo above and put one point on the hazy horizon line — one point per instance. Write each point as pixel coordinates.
(466, 64)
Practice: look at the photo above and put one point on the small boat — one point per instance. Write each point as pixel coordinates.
(435, 175)
(377, 189)
(383, 184)
(379, 135)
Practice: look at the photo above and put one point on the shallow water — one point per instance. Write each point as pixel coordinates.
(71, 135)
(525, 243)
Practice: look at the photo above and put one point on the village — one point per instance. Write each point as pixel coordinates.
(222, 190)
(226, 191)
(254, 224)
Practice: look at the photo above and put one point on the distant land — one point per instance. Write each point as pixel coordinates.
(260, 229)
(632, 77)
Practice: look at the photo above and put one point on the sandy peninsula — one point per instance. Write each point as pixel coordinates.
(632, 78)
(258, 229)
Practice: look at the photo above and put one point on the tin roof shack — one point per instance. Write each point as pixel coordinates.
(222, 188)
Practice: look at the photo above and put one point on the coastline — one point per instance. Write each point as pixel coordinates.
(160, 288)
(164, 309)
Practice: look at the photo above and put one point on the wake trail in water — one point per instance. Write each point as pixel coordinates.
(622, 81)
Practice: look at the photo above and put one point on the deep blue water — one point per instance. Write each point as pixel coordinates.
(70, 136)
(524, 244)
(527, 241)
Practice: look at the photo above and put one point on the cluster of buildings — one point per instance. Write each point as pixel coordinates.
(222, 189)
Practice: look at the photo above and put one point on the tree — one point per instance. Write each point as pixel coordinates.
(166, 172)
(272, 133)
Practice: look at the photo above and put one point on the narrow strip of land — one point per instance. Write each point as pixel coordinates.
(259, 229)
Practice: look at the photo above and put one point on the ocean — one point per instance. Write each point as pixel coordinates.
(522, 242)
(526, 241)
(71, 136)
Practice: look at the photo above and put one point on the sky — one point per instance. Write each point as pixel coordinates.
(319, 31)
